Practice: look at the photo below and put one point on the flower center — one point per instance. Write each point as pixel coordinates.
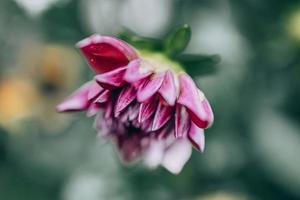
(159, 62)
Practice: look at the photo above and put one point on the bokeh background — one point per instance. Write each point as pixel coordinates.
(252, 151)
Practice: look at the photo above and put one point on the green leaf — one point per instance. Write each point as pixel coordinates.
(140, 42)
(177, 40)
(197, 65)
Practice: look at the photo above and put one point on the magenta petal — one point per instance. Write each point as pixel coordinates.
(162, 116)
(168, 88)
(147, 109)
(78, 101)
(103, 97)
(105, 53)
(192, 99)
(94, 90)
(182, 121)
(150, 87)
(197, 138)
(135, 72)
(111, 79)
(126, 96)
(177, 155)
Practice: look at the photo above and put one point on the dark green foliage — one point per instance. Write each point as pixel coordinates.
(140, 42)
(196, 65)
(177, 40)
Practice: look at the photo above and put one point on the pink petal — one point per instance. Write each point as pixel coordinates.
(111, 79)
(103, 97)
(177, 155)
(154, 154)
(108, 113)
(94, 90)
(93, 109)
(162, 116)
(78, 101)
(136, 72)
(209, 111)
(146, 125)
(133, 112)
(164, 132)
(103, 125)
(147, 109)
(126, 96)
(117, 128)
(129, 147)
(135, 123)
(150, 87)
(193, 99)
(182, 121)
(123, 117)
(105, 53)
(139, 83)
(197, 138)
(168, 88)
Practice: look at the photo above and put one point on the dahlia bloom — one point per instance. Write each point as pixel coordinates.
(144, 102)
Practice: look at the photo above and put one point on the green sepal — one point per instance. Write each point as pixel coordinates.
(197, 65)
(140, 42)
(177, 40)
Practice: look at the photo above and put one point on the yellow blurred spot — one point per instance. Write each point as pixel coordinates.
(223, 196)
(59, 65)
(17, 100)
(293, 25)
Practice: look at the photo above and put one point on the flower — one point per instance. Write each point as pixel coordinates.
(145, 103)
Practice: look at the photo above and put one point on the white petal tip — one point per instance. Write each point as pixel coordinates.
(83, 43)
(177, 155)
(96, 38)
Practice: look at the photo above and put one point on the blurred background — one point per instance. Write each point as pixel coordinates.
(252, 150)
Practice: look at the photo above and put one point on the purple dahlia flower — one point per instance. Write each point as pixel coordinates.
(145, 103)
